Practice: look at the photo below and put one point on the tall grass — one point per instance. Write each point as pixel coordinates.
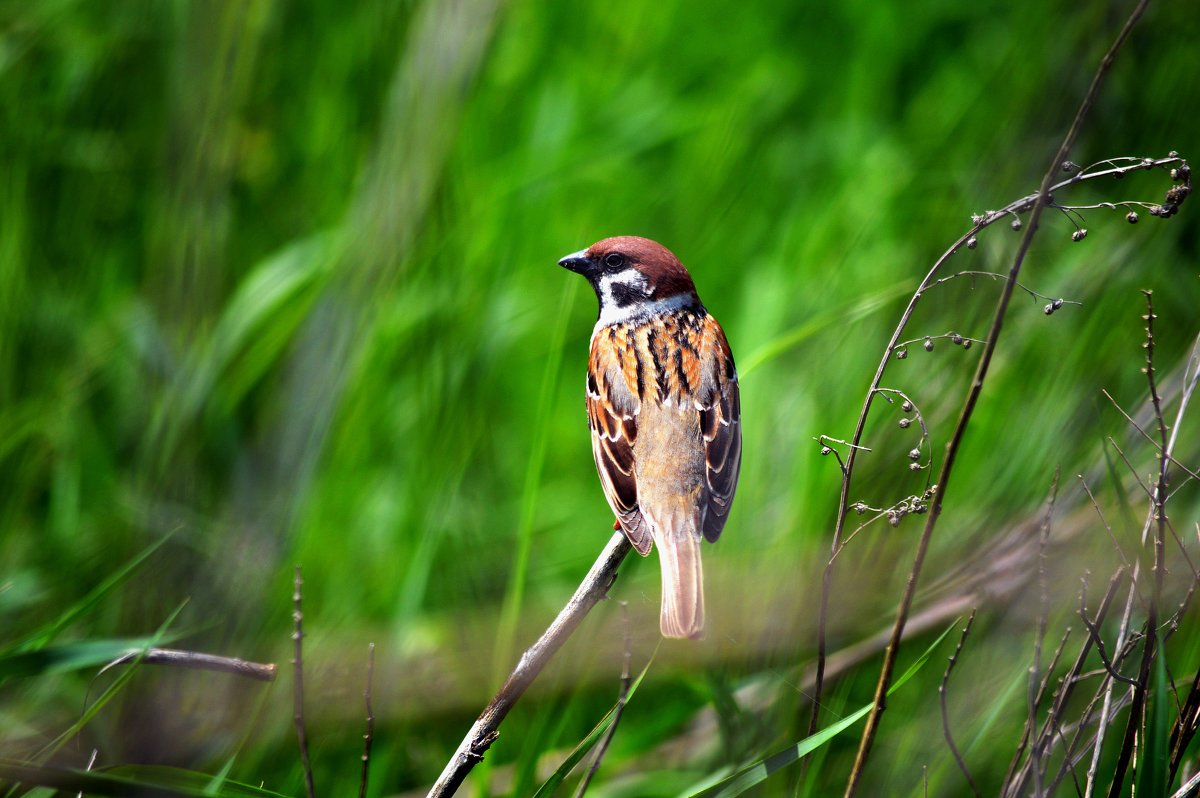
(278, 281)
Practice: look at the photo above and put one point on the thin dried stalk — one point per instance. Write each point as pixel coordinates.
(935, 509)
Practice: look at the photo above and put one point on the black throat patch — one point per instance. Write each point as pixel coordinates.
(624, 295)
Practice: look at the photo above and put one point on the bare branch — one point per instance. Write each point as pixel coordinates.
(1034, 295)
(1075, 674)
(622, 696)
(1185, 727)
(1094, 631)
(195, 660)
(1104, 521)
(1039, 203)
(369, 736)
(962, 765)
(1161, 448)
(1109, 706)
(1190, 789)
(1035, 693)
(1033, 765)
(1172, 623)
(1150, 644)
(298, 681)
(591, 590)
(1133, 471)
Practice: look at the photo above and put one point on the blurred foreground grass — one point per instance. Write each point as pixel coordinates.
(277, 281)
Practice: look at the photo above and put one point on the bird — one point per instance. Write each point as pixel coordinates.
(664, 410)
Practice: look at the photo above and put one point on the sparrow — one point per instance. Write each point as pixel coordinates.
(664, 411)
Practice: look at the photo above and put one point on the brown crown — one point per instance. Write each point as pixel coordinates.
(664, 273)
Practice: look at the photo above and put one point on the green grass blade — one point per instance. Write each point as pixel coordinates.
(510, 612)
(1153, 762)
(108, 695)
(217, 783)
(587, 743)
(69, 656)
(847, 314)
(46, 634)
(760, 771)
(129, 781)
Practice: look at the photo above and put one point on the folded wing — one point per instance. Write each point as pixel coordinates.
(613, 422)
(721, 426)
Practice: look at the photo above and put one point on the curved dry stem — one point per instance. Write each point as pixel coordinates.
(1040, 201)
(1116, 167)
(962, 765)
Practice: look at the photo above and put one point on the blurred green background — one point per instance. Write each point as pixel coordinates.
(278, 280)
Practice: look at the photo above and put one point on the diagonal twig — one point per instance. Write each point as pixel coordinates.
(486, 729)
(1098, 640)
(1161, 446)
(1075, 675)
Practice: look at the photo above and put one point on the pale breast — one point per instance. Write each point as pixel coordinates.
(669, 459)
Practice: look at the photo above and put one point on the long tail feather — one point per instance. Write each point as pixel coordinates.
(682, 585)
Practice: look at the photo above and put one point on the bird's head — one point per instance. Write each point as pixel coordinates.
(633, 278)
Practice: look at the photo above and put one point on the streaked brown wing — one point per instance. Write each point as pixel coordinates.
(613, 436)
(721, 425)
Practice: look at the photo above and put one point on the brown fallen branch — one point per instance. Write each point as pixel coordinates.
(591, 590)
(260, 671)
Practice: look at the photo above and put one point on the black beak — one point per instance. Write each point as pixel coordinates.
(578, 262)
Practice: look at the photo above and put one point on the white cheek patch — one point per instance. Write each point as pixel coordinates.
(610, 314)
(617, 292)
(628, 279)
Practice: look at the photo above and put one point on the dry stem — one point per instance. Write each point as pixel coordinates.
(260, 671)
(962, 765)
(298, 685)
(369, 735)
(1042, 198)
